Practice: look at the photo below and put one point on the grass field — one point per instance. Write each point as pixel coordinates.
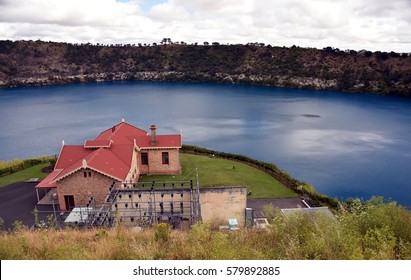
(24, 175)
(212, 172)
(221, 172)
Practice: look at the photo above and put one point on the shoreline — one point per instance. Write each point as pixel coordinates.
(299, 84)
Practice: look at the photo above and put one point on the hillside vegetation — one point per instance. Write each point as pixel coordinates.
(43, 63)
(371, 230)
(24, 175)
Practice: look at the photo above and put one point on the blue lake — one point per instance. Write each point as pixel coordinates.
(345, 145)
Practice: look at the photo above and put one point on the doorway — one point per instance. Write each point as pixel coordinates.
(69, 202)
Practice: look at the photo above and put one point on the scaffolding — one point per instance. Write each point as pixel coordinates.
(146, 203)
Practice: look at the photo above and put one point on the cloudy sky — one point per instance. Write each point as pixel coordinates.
(345, 24)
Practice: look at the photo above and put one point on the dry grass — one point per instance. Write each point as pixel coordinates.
(371, 233)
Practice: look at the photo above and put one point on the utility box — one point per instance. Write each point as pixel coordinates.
(249, 217)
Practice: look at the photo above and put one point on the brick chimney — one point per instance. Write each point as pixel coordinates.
(153, 134)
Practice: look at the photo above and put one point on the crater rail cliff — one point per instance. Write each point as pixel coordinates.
(35, 63)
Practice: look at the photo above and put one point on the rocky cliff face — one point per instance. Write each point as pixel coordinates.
(28, 63)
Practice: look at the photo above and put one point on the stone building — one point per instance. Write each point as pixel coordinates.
(119, 154)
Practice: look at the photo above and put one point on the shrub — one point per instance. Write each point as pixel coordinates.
(200, 232)
(162, 232)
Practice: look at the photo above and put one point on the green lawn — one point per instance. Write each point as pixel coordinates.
(221, 172)
(24, 175)
(211, 171)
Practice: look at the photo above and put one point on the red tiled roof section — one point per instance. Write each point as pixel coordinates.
(48, 181)
(71, 154)
(162, 141)
(97, 144)
(107, 163)
(122, 133)
(124, 152)
(100, 160)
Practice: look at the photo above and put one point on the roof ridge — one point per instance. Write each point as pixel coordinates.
(110, 128)
(117, 127)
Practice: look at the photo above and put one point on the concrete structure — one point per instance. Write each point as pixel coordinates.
(311, 211)
(121, 154)
(219, 204)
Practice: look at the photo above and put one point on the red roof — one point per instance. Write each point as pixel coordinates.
(122, 133)
(101, 160)
(47, 182)
(162, 141)
(69, 155)
(97, 144)
(110, 153)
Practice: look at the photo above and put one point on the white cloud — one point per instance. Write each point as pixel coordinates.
(167, 11)
(70, 12)
(367, 24)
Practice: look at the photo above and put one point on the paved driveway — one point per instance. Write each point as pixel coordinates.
(17, 202)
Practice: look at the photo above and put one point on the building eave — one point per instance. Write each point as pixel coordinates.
(85, 168)
(160, 148)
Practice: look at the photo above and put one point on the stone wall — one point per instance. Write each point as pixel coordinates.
(97, 185)
(82, 188)
(155, 164)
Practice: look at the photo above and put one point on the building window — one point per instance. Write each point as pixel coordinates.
(165, 158)
(87, 174)
(144, 158)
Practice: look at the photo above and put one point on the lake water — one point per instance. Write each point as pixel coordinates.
(346, 145)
